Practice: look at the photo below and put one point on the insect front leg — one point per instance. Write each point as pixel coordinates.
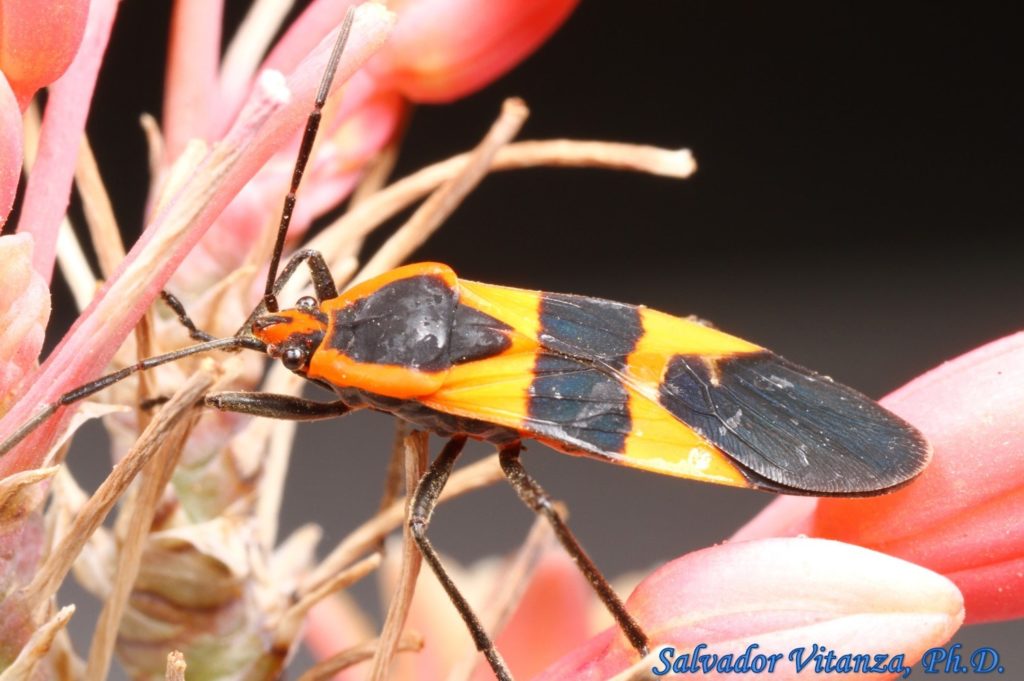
(323, 281)
(534, 496)
(176, 306)
(323, 284)
(275, 406)
(423, 502)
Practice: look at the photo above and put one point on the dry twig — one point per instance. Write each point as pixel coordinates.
(51, 574)
(176, 666)
(139, 511)
(37, 647)
(369, 534)
(415, 464)
(325, 669)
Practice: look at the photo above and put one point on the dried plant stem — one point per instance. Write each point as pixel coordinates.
(291, 622)
(394, 474)
(325, 669)
(509, 587)
(398, 611)
(446, 199)
(140, 511)
(37, 647)
(51, 574)
(99, 213)
(376, 175)
(175, 666)
(22, 493)
(375, 209)
(369, 534)
(74, 266)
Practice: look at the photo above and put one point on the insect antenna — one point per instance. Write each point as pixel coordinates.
(83, 391)
(305, 148)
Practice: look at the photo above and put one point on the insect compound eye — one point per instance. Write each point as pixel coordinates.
(294, 358)
(306, 303)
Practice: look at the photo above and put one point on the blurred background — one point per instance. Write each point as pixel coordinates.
(856, 209)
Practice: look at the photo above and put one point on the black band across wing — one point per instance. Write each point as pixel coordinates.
(578, 404)
(597, 330)
(794, 430)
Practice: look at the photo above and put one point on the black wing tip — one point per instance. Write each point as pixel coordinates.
(908, 456)
(792, 430)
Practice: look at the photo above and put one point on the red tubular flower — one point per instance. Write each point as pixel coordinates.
(963, 516)
(10, 148)
(444, 49)
(779, 595)
(38, 40)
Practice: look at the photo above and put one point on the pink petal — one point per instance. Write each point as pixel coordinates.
(49, 186)
(193, 65)
(345, 146)
(266, 124)
(444, 49)
(10, 148)
(316, 21)
(24, 311)
(962, 516)
(37, 42)
(780, 594)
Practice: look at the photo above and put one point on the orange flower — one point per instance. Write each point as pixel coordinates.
(963, 516)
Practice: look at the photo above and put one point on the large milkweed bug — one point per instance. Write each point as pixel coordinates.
(590, 377)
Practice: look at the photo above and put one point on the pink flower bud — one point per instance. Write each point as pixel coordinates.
(772, 597)
(444, 49)
(38, 40)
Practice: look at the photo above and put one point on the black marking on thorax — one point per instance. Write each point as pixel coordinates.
(477, 335)
(405, 323)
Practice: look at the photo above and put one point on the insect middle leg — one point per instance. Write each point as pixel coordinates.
(423, 502)
(534, 496)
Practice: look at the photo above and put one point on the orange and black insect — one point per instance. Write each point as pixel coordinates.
(591, 377)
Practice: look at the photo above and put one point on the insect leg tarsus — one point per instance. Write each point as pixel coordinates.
(423, 502)
(534, 496)
(194, 332)
(323, 282)
(275, 406)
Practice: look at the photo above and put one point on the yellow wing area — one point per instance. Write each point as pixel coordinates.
(499, 389)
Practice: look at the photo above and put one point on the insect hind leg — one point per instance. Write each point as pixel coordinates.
(534, 496)
(423, 502)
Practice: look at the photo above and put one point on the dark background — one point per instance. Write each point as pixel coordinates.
(857, 209)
